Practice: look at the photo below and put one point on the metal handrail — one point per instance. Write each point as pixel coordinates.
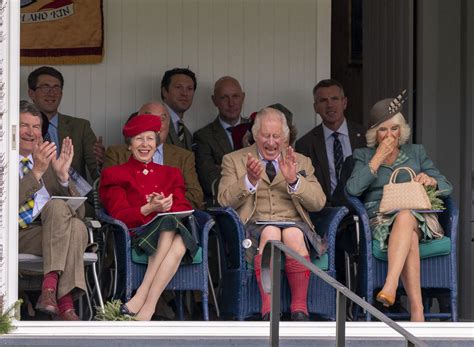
(271, 283)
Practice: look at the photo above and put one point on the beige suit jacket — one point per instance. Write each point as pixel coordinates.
(233, 191)
(172, 156)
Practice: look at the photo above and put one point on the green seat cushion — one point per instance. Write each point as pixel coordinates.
(322, 262)
(143, 258)
(428, 249)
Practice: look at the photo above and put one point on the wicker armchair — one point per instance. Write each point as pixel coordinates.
(239, 296)
(188, 277)
(438, 270)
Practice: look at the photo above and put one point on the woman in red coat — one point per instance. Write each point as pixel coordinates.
(135, 192)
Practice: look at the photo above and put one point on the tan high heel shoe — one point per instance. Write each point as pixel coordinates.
(385, 299)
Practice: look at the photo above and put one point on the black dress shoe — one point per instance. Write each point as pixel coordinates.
(125, 311)
(299, 316)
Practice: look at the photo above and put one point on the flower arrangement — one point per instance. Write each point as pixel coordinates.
(433, 195)
(111, 312)
(6, 324)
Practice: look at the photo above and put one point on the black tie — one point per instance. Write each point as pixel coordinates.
(270, 170)
(338, 156)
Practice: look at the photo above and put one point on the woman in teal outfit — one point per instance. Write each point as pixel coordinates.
(400, 232)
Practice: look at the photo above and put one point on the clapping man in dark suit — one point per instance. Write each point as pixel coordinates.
(331, 142)
(215, 139)
(177, 92)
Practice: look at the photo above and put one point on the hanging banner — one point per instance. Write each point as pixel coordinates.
(61, 32)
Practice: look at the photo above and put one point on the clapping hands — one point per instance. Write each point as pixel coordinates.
(254, 169)
(43, 153)
(159, 203)
(62, 164)
(287, 164)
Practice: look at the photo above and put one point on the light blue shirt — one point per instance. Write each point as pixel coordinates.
(346, 148)
(158, 155)
(225, 125)
(174, 118)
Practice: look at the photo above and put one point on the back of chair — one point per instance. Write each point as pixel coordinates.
(95, 195)
(231, 234)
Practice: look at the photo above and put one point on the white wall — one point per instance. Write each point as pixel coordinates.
(277, 49)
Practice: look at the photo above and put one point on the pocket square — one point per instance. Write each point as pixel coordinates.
(302, 173)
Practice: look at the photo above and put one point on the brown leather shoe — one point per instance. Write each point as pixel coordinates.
(68, 315)
(299, 316)
(47, 302)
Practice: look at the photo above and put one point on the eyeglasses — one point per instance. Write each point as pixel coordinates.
(48, 89)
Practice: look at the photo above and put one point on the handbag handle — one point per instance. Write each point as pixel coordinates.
(394, 175)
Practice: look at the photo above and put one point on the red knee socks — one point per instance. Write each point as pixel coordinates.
(257, 265)
(50, 280)
(298, 279)
(65, 303)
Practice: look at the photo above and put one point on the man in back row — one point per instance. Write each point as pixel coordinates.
(177, 92)
(328, 145)
(215, 139)
(166, 154)
(45, 88)
(331, 142)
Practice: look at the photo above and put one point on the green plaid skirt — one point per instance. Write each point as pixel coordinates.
(145, 239)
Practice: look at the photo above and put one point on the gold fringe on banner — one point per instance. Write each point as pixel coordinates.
(69, 60)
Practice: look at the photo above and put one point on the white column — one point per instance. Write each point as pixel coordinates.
(9, 141)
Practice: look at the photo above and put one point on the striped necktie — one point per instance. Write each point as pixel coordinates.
(338, 156)
(181, 131)
(25, 215)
